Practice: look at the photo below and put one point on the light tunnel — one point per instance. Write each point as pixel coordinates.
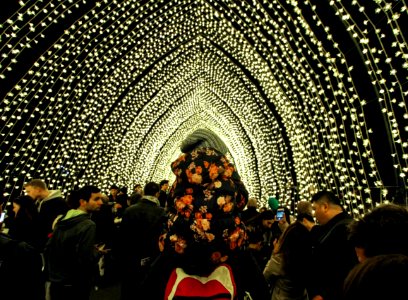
(307, 95)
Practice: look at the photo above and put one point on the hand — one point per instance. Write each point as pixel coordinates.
(101, 249)
(255, 246)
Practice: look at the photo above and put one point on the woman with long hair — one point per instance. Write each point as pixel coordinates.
(24, 226)
(290, 260)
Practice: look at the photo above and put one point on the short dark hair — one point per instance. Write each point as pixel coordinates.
(83, 193)
(379, 277)
(326, 196)
(114, 187)
(134, 198)
(381, 231)
(163, 182)
(267, 215)
(151, 189)
(38, 183)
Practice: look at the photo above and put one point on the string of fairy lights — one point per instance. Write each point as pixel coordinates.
(104, 92)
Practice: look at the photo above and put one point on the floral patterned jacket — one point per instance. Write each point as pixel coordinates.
(208, 196)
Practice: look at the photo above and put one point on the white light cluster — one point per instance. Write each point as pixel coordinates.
(111, 99)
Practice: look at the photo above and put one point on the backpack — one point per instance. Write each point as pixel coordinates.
(219, 285)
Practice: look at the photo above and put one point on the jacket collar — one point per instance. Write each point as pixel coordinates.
(152, 199)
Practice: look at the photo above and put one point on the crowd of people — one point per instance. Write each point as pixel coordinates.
(201, 238)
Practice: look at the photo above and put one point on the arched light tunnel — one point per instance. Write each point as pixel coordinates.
(307, 95)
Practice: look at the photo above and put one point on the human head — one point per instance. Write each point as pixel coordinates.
(377, 278)
(381, 231)
(87, 198)
(305, 214)
(151, 189)
(326, 205)
(36, 189)
(267, 218)
(114, 190)
(123, 190)
(164, 185)
(202, 138)
(304, 207)
(134, 198)
(252, 203)
(24, 204)
(138, 189)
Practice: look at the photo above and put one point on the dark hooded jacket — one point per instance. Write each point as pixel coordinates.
(48, 210)
(71, 253)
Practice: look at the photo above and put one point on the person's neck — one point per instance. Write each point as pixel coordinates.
(82, 209)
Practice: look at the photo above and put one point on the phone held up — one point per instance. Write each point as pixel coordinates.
(280, 214)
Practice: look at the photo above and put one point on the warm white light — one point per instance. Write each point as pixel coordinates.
(115, 94)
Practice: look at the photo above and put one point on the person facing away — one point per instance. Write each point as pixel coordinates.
(205, 231)
(251, 210)
(24, 226)
(50, 205)
(71, 255)
(377, 278)
(333, 256)
(381, 243)
(20, 269)
(142, 224)
(290, 262)
(381, 231)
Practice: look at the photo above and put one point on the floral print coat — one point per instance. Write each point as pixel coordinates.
(208, 196)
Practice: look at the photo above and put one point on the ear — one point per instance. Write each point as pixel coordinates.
(82, 203)
(325, 206)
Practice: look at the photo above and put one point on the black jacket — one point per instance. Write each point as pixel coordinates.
(20, 270)
(141, 227)
(48, 210)
(70, 253)
(333, 258)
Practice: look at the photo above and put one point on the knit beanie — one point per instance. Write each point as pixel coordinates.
(203, 138)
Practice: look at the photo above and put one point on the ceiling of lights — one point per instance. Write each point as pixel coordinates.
(307, 95)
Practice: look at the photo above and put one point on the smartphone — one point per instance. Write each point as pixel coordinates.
(280, 214)
(2, 216)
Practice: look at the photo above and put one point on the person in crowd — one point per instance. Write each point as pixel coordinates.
(304, 207)
(381, 231)
(206, 231)
(24, 226)
(250, 212)
(263, 230)
(377, 278)
(20, 269)
(305, 214)
(50, 204)
(136, 194)
(113, 193)
(287, 268)
(71, 255)
(105, 236)
(164, 186)
(141, 227)
(121, 202)
(134, 198)
(138, 189)
(333, 255)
